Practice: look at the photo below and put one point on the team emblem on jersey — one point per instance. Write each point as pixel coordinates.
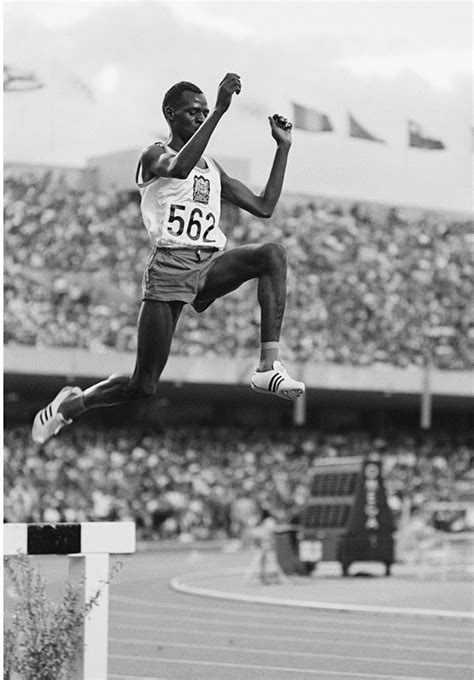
(201, 189)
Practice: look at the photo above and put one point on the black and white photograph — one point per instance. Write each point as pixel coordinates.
(238, 359)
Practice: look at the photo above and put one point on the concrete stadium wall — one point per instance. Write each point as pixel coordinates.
(78, 363)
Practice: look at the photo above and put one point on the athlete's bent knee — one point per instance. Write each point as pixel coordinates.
(273, 255)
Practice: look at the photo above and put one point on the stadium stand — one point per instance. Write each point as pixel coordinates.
(367, 283)
(203, 482)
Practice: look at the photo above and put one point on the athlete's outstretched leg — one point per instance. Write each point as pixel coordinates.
(271, 292)
(156, 325)
(267, 263)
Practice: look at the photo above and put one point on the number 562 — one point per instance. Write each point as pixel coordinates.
(194, 226)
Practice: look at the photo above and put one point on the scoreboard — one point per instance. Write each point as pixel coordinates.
(347, 517)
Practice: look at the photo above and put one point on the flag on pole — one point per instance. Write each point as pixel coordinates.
(19, 80)
(310, 120)
(417, 139)
(356, 130)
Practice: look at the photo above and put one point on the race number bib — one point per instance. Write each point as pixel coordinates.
(191, 225)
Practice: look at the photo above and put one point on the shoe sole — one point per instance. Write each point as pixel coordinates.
(284, 394)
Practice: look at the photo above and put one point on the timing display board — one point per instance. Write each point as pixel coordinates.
(332, 493)
(339, 483)
(347, 511)
(326, 516)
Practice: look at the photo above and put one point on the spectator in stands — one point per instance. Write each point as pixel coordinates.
(366, 283)
(198, 483)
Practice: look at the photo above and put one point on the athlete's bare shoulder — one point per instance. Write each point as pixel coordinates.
(149, 159)
(152, 151)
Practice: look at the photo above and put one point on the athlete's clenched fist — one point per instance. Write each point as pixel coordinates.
(281, 129)
(229, 86)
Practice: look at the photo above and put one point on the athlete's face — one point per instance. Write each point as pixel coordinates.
(189, 114)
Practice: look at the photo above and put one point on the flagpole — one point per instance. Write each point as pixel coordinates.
(426, 390)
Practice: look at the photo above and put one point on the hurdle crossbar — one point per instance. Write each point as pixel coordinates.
(88, 546)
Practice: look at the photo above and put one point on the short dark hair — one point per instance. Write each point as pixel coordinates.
(174, 94)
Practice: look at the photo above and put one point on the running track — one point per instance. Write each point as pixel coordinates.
(157, 633)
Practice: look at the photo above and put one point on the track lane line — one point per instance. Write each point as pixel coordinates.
(276, 669)
(279, 652)
(178, 585)
(272, 626)
(268, 616)
(193, 631)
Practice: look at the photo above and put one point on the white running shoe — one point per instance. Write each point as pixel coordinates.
(278, 382)
(49, 421)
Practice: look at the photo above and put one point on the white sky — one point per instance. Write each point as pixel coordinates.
(383, 61)
(436, 54)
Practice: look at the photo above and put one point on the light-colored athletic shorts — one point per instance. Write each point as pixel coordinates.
(174, 274)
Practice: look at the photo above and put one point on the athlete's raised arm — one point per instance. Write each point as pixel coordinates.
(191, 126)
(262, 205)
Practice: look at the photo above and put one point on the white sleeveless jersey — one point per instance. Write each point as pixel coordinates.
(184, 213)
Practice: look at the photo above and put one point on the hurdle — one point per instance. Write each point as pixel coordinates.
(88, 546)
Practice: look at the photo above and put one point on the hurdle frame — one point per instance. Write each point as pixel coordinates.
(88, 546)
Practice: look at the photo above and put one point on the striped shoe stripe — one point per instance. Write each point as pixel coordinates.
(271, 385)
(278, 383)
(41, 417)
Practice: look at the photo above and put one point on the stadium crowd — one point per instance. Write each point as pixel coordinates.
(366, 283)
(197, 483)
